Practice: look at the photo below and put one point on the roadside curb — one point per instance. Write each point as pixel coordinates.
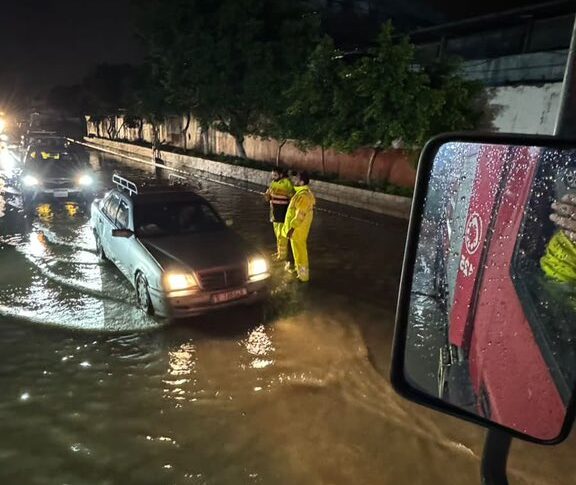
(393, 205)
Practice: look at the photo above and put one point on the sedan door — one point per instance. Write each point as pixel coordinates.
(105, 222)
(125, 248)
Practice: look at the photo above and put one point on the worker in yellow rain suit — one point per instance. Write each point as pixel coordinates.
(297, 224)
(278, 195)
(559, 260)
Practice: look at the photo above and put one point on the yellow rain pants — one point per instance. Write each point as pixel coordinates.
(279, 194)
(299, 217)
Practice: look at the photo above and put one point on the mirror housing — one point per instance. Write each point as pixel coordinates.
(478, 331)
(125, 233)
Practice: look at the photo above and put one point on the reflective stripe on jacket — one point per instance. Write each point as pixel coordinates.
(280, 193)
(559, 260)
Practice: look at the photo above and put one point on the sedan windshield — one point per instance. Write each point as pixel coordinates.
(174, 218)
(50, 144)
(63, 166)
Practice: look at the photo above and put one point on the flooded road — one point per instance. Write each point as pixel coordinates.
(93, 391)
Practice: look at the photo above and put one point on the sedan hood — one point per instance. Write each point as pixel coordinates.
(55, 169)
(199, 251)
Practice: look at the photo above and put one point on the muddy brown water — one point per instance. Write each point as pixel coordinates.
(92, 391)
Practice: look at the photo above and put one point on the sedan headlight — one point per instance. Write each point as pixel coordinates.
(179, 281)
(258, 268)
(30, 181)
(85, 180)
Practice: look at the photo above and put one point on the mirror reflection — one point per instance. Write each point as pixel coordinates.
(491, 324)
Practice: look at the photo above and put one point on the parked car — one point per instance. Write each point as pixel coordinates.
(45, 145)
(176, 251)
(32, 136)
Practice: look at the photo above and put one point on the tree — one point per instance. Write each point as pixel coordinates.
(135, 121)
(101, 94)
(310, 117)
(150, 102)
(67, 99)
(228, 60)
(464, 104)
(388, 100)
(393, 101)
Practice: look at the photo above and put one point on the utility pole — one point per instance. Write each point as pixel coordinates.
(566, 121)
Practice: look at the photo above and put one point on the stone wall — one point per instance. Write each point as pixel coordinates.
(394, 166)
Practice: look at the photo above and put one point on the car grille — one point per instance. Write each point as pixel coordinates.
(222, 279)
(59, 184)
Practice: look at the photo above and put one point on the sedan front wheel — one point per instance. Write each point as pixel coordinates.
(99, 249)
(142, 295)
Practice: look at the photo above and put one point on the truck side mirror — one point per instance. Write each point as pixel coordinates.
(486, 320)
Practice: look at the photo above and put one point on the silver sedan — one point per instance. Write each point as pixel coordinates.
(177, 252)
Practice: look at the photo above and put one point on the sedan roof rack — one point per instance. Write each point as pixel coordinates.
(125, 184)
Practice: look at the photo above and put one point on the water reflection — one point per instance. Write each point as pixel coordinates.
(317, 413)
(259, 345)
(182, 365)
(67, 285)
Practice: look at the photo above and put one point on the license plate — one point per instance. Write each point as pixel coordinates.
(229, 295)
(60, 193)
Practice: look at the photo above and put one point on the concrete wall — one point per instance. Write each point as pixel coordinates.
(377, 202)
(542, 67)
(393, 166)
(527, 109)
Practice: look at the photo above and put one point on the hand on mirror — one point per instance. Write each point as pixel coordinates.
(564, 215)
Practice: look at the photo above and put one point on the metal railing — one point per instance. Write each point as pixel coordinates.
(125, 184)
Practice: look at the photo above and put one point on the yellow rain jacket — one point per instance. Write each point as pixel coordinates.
(279, 194)
(299, 217)
(559, 260)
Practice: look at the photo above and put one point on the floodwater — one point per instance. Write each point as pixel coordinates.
(294, 392)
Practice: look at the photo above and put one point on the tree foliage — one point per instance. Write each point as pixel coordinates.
(229, 61)
(312, 100)
(261, 67)
(381, 99)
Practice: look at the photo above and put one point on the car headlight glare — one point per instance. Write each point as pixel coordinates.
(30, 181)
(179, 281)
(258, 266)
(85, 180)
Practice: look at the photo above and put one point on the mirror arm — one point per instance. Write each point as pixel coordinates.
(495, 456)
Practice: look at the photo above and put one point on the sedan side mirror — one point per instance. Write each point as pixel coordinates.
(125, 233)
(485, 327)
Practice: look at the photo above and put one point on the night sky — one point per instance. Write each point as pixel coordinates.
(45, 43)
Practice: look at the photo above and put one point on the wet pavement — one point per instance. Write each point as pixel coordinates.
(93, 391)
